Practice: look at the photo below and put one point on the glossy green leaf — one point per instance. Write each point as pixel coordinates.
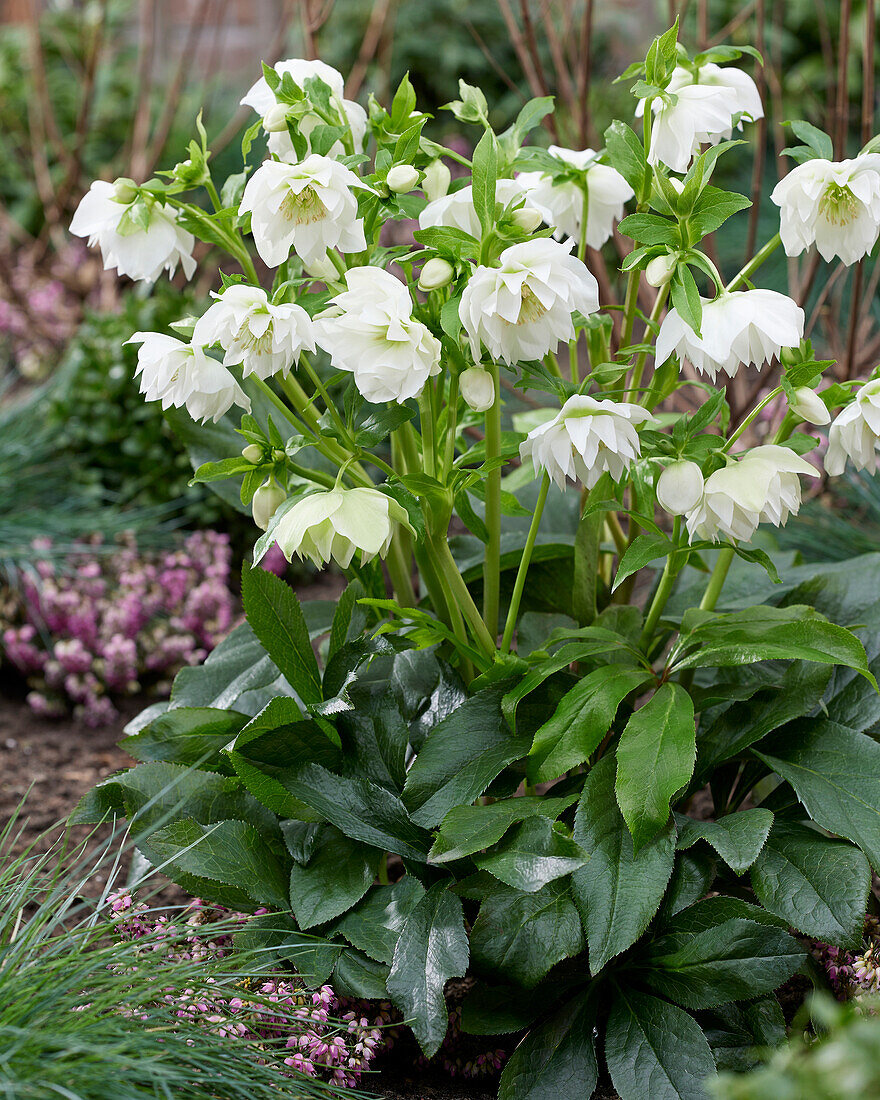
(277, 937)
(618, 892)
(817, 884)
(738, 838)
(468, 829)
(373, 925)
(581, 720)
(557, 1060)
(656, 1050)
(338, 874)
(186, 735)
(431, 949)
(356, 975)
(655, 758)
(533, 855)
(739, 1033)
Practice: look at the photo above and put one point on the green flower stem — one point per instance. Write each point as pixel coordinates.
(617, 533)
(301, 401)
(337, 262)
(638, 369)
(789, 422)
(664, 589)
(327, 399)
(552, 364)
(629, 307)
(492, 562)
(213, 194)
(426, 421)
(582, 243)
(521, 573)
(755, 262)
(309, 474)
(451, 426)
(748, 420)
(273, 397)
(399, 563)
(459, 593)
(632, 284)
(716, 581)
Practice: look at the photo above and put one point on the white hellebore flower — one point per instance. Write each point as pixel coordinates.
(140, 253)
(266, 502)
(336, 523)
(855, 434)
(370, 331)
(456, 211)
(703, 110)
(587, 438)
(522, 308)
(680, 487)
(562, 205)
(477, 388)
(261, 97)
(182, 374)
(264, 338)
(832, 204)
(762, 487)
(748, 327)
(809, 406)
(307, 207)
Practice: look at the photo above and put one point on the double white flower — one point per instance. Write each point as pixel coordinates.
(522, 308)
(337, 523)
(702, 107)
(562, 204)
(456, 211)
(832, 204)
(261, 97)
(748, 327)
(266, 339)
(587, 438)
(855, 434)
(762, 487)
(370, 331)
(141, 254)
(179, 374)
(307, 207)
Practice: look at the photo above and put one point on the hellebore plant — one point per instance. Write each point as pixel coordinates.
(491, 767)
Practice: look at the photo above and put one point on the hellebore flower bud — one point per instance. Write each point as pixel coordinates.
(125, 190)
(659, 270)
(436, 273)
(436, 180)
(680, 487)
(809, 406)
(253, 452)
(477, 388)
(267, 500)
(402, 177)
(526, 218)
(275, 119)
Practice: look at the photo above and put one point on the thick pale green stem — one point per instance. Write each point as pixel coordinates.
(638, 369)
(716, 581)
(521, 573)
(664, 589)
(762, 404)
(426, 422)
(458, 591)
(492, 562)
(327, 399)
(400, 571)
(755, 262)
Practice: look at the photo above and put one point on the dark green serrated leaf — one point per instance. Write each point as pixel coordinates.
(373, 925)
(737, 838)
(338, 874)
(556, 1061)
(532, 856)
(468, 829)
(186, 735)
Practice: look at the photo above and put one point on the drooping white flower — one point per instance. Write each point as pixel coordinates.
(261, 97)
(743, 328)
(855, 433)
(266, 339)
(179, 374)
(702, 108)
(337, 523)
(307, 207)
(140, 253)
(477, 387)
(523, 308)
(679, 487)
(370, 331)
(761, 487)
(832, 204)
(456, 211)
(587, 438)
(562, 204)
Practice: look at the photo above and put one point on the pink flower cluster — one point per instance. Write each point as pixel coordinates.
(304, 1029)
(853, 973)
(104, 622)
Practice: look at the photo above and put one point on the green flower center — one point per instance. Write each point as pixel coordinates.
(259, 345)
(838, 205)
(531, 308)
(304, 208)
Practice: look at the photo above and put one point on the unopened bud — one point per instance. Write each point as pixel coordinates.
(436, 273)
(322, 269)
(125, 190)
(267, 500)
(659, 270)
(680, 487)
(676, 185)
(402, 178)
(275, 119)
(809, 406)
(526, 218)
(436, 181)
(477, 388)
(253, 452)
